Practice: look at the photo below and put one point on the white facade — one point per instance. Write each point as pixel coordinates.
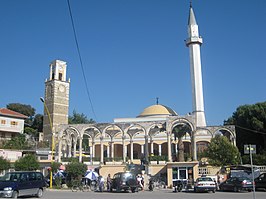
(11, 123)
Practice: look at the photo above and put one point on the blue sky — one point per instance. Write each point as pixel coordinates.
(133, 51)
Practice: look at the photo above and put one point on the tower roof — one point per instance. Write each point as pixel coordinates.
(191, 18)
(157, 110)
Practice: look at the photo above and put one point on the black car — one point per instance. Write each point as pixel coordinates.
(236, 184)
(260, 182)
(22, 183)
(124, 181)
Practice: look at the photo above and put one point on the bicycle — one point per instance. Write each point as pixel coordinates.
(77, 186)
(159, 184)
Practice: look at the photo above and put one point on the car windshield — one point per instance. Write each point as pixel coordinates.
(204, 179)
(11, 177)
(127, 176)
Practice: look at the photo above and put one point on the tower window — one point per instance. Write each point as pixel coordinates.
(60, 76)
(53, 76)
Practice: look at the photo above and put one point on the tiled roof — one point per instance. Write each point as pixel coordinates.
(10, 113)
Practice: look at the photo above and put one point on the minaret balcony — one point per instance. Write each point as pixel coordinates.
(194, 40)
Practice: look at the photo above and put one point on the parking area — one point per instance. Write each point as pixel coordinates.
(157, 194)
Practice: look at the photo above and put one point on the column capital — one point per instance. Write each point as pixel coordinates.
(123, 137)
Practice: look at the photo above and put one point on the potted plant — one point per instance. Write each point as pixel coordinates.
(153, 159)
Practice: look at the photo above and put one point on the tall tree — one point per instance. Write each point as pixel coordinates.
(250, 121)
(179, 132)
(4, 164)
(38, 122)
(78, 118)
(27, 163)
(24, 109)
(221, 152)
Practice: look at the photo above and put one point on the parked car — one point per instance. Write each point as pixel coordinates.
(260, 182)
(124, 181)
(203, 184)
(237, 184)
(23, 183)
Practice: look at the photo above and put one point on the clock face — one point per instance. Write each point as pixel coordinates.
(62, 88)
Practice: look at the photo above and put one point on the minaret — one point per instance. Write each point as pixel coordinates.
(56, 98)
(194, 42)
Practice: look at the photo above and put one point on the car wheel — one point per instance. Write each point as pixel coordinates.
(118, 189)
(39, 193)
(15, 194)
(236, 189)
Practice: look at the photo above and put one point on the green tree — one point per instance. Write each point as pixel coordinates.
(38, 122)
(23, 109)
(27, 163)
(18, 142)
(179, 132)
(221, 152)
(55, 166)
(75, 169)
(4, 164)
(250, 121)
(32, 132)
(78, 118)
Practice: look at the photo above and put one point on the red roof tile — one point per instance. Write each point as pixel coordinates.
(10, 113)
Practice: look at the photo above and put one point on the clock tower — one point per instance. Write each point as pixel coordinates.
(56, 98)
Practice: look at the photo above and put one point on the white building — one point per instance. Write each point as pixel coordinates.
(11, 123)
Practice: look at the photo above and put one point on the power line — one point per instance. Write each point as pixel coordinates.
(254, 131)
(81, 63)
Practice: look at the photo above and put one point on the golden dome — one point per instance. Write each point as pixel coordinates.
(157, 110)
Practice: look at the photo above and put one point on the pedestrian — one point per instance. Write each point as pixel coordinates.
(101, 183)
(109, 180)
(139, 179)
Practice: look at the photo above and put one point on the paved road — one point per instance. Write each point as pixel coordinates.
(157, 194)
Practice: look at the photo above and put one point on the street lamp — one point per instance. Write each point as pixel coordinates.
(51, 126)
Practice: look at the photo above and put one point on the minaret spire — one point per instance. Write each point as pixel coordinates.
(194, 42)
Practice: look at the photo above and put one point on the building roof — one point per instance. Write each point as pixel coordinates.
(9, 113)
(157, 110)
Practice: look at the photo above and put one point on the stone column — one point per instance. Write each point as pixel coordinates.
(152, 151)
(69, 146)
(124, 148)
(112, 149)
(101, 142)
(108, 149)
(93, 149)
(80, 150)
(131, 150)
(125, 152)
(194, 146)
(160, 149)
(169, 147)
(146, 150)
(75, 149)
(59, 150)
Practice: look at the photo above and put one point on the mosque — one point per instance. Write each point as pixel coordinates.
(157, 132)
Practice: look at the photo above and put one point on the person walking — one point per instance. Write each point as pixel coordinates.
(139, 179)
(109, 180)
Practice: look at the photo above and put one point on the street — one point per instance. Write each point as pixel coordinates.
(157, 194)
